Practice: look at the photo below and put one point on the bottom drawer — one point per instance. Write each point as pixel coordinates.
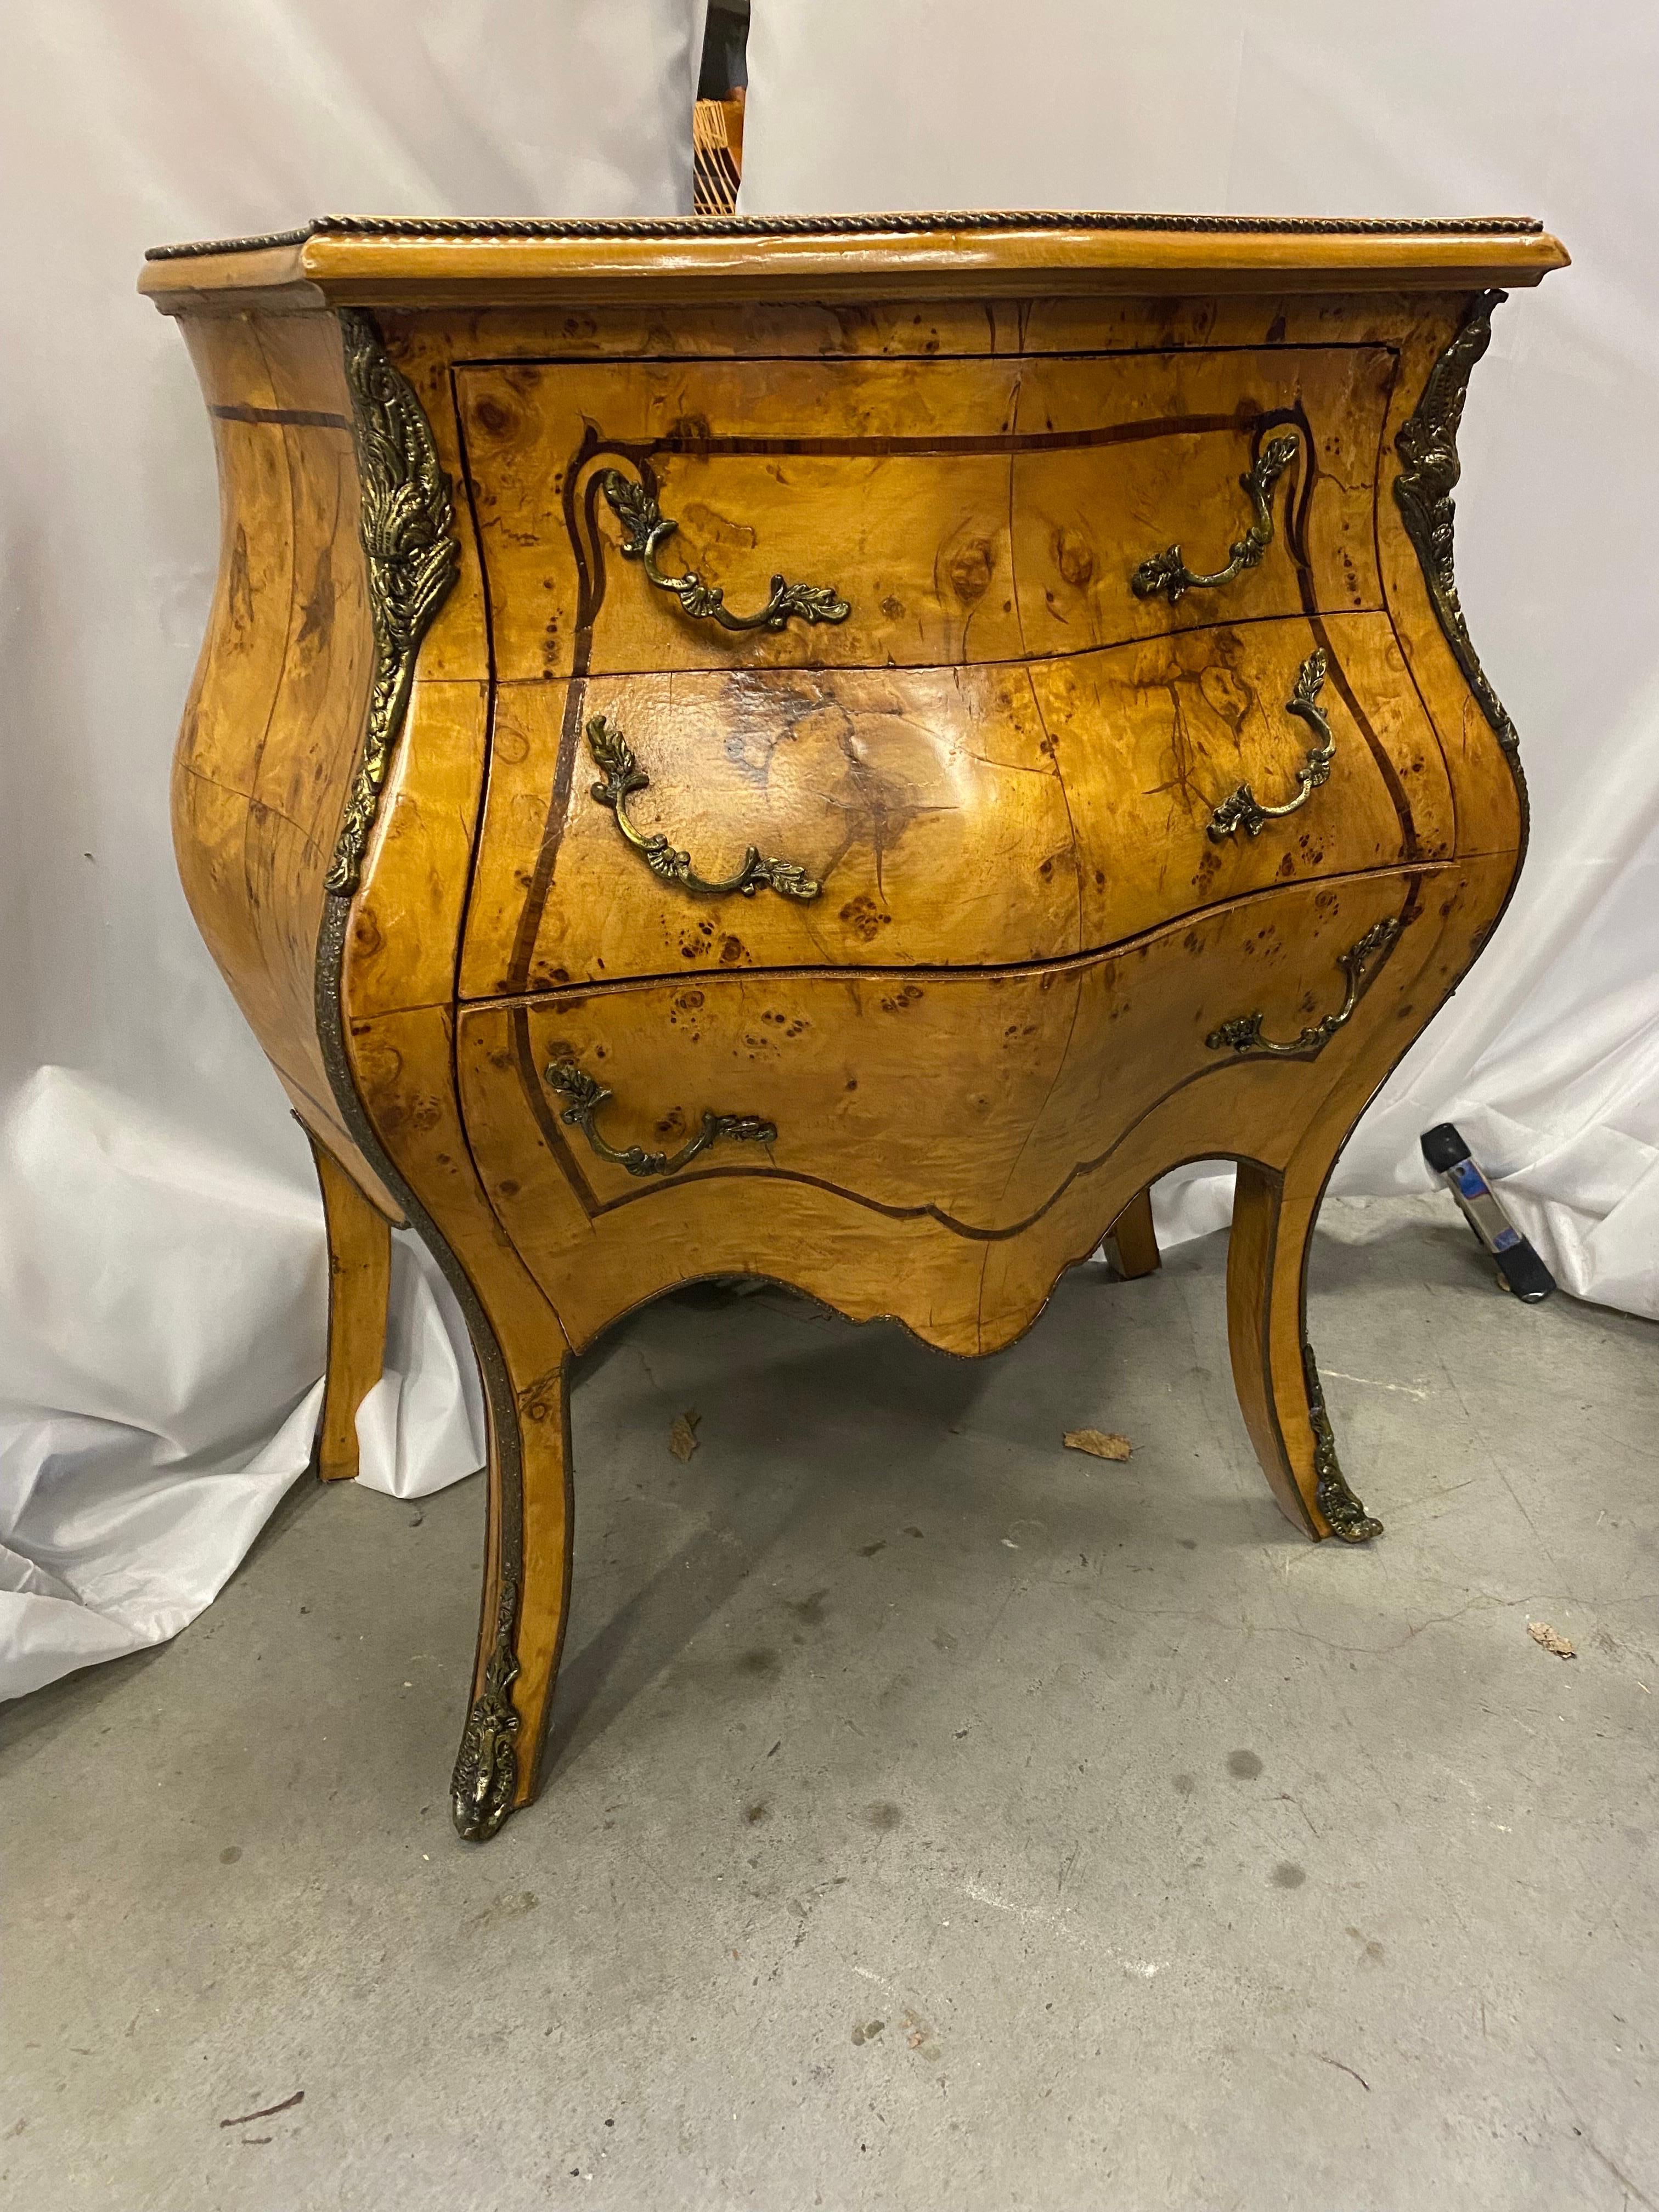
(971, 1096)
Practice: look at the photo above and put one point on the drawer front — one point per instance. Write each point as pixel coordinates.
(913, 514)
(972, 1098)
(948, 817)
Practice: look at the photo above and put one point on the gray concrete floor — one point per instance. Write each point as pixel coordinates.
(940, 1819)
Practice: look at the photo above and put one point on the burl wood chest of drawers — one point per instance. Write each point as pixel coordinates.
(835, 750)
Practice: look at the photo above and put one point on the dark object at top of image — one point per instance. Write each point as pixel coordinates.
(717, 114)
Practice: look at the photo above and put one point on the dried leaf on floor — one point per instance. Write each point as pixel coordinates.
(1097, 1442)
(683, 1436)
(1541, 1632)
(266, 2112)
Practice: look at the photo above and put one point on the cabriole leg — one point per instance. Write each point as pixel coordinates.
(358, 1285)
(1134, 1240)
(526, 1604)
(1273, 1369)
(398, 1078)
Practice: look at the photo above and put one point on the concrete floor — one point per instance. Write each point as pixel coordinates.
(942, 1819)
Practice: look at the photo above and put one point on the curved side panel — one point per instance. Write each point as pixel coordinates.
(273, 726)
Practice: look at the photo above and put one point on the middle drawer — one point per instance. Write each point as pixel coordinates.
(970, 816)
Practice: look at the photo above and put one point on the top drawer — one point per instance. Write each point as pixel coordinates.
(965, 510)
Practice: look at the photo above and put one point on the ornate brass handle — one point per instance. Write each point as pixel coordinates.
(644, 528)
(1244, 809)
(587, 1097)
(1168, 573)
(623, 776)
(1243, 1033)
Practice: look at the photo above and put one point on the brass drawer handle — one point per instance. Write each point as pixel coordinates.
(1244, 809)
(623, 776)
(587, 1097)
(644, 528)
(1243, 1033)
(1168, 573)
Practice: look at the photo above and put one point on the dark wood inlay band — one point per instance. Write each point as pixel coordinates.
(945, 446)
(294, 418)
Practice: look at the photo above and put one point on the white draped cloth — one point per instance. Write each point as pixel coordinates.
(163, 1284)
(1548, 1058)
(162, 1279)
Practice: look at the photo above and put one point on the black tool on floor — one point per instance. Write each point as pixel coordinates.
(1519, 1266)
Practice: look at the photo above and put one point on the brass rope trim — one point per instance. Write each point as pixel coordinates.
(861, 226)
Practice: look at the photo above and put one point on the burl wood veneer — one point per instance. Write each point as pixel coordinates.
(836, 751)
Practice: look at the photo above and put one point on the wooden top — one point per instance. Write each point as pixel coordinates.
(402, 261)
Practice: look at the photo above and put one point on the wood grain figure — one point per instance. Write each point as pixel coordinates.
(840, 751)
(359, 1287)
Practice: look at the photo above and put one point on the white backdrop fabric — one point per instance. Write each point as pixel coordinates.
(163, 1288)
(1548, 1059)
(162, 1278)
